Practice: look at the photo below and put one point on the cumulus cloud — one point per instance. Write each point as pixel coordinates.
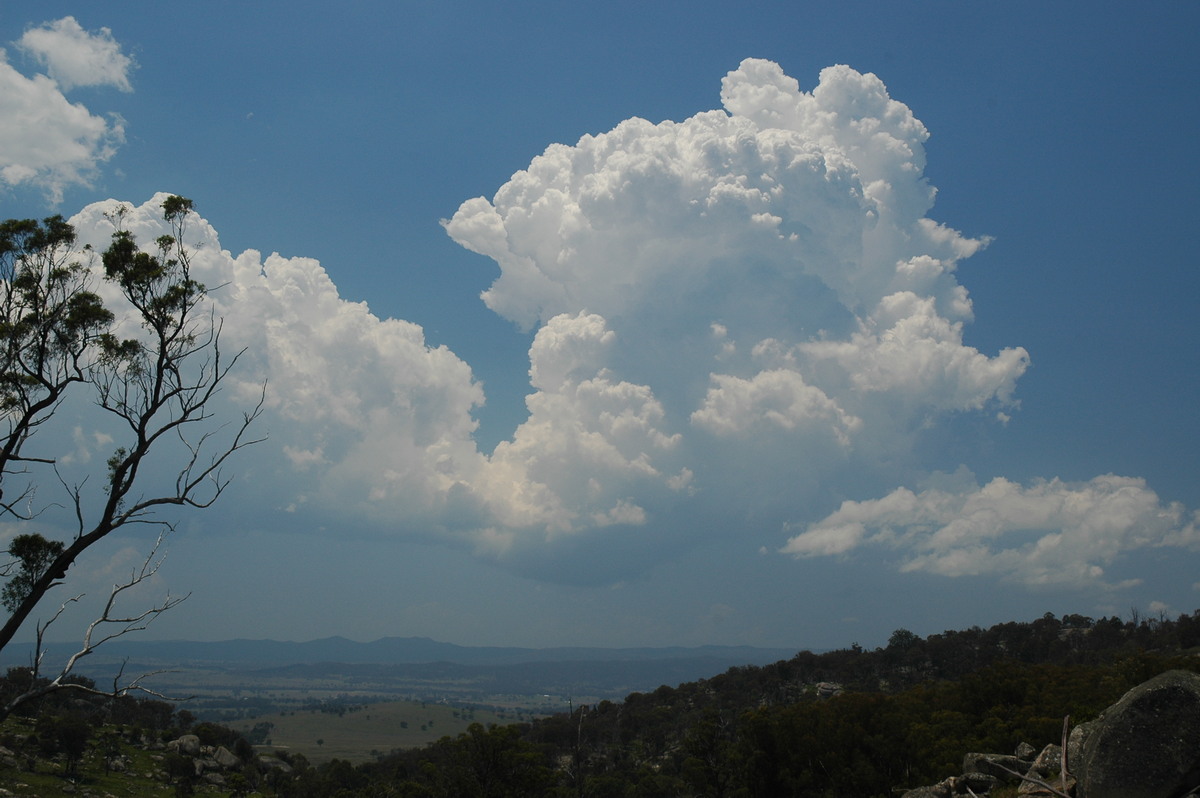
(728, 310)
(366, 420)
(74, 57)
(767, 272)
(47, 141)
(1047, 533)
(738, 317)
(776, 398)
(591, 442)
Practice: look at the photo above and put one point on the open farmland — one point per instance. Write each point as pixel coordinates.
(361, 732)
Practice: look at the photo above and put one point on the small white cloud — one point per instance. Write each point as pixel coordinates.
(1159, 608)
(910, 354)
(85, 445)
(74, 57)
(566, 346)
(623, 512)
(303, 458)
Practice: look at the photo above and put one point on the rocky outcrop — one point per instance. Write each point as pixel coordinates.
(187, 745)
(213, 764)
(982, 773)
(1147, 745)
(210, 763)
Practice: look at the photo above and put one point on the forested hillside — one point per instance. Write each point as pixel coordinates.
(847, 722)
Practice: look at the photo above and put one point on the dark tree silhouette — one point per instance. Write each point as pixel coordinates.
(157, 384)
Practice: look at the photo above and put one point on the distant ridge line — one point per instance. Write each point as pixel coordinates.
(389, 650)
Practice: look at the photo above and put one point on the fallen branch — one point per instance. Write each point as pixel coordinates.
(1062, 763)
(1033, 780)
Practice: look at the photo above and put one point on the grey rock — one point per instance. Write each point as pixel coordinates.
(188, 745)
(1147, 745)
(979, 782)
(1075, 741)
(1047, 763)
(226, 759)
(1008, 769)
(1046, 768)
(828, 689)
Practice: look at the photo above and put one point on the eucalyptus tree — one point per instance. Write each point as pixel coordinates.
(154, 379)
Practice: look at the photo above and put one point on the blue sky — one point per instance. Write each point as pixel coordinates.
(734, 380)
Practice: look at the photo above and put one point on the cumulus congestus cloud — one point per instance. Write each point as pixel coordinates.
(738, 318)
(769, 276)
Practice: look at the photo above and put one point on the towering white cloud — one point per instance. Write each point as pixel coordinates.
(45, 140)
(738, 316)
(767, 273)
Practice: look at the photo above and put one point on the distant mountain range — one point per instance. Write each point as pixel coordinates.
(402, 666)
(243, 653)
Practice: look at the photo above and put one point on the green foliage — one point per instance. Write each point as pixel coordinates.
(34, 554)
(66, 734)
(491, 762)
(160, 285)
(215, 735)
(48, 319)
(181, 772)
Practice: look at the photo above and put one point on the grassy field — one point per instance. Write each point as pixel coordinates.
(366, 730)
(143, 779)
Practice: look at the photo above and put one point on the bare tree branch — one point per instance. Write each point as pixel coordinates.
(109, 626)
(158, 386)
(1063, 772)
